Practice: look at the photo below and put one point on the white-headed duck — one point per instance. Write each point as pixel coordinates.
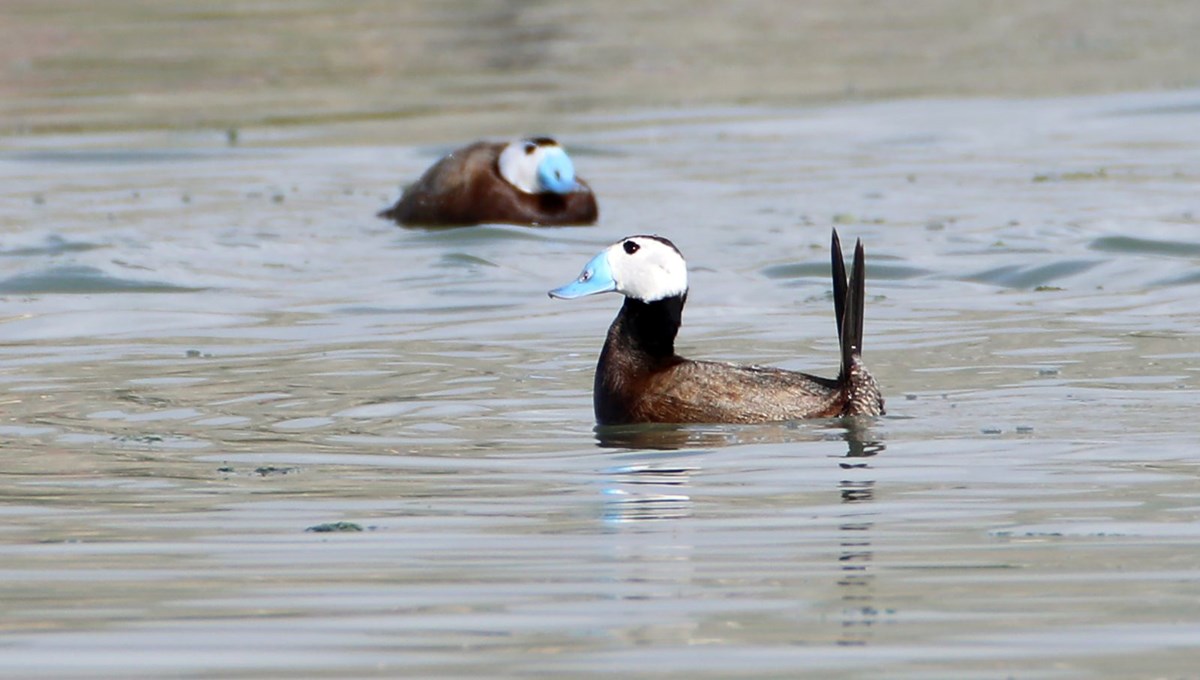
(640, 379)
(527, 181)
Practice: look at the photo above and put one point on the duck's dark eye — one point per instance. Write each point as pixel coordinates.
(631, 247)
(530, 148)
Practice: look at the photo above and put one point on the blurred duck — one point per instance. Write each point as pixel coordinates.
(640, 379)
(527, 181)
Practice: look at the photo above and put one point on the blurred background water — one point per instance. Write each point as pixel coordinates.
(210, 345)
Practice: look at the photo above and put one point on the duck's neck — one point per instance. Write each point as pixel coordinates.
(641, 341)
(647, 329)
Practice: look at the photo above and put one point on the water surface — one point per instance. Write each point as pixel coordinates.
(209, 349)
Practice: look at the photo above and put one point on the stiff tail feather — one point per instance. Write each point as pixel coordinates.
(849, 296)
(839, 283)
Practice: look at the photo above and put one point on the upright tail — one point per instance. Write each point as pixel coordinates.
(849, 299)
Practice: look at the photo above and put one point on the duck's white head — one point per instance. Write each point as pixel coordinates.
(537, 166)
(645, 268)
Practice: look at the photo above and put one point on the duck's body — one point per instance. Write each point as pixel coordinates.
(640, 378)
(528, 182)
(639, 384)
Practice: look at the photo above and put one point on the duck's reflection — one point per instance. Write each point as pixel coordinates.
(658, 490)
(856, 584)
(648, 491)
(662, 437)
(648, 504)
(856, 432)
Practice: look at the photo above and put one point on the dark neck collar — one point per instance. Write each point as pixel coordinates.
(640, 342)
(648, 328)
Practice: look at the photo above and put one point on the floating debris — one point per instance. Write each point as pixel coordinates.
(332, 527)
(1076, 176)
(139, 439)
(272, 470)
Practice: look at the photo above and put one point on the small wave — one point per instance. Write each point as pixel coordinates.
(820, 270)
(1142, 246)
(53, 245)
(1017, 276)
(77, 279)
(464, 260)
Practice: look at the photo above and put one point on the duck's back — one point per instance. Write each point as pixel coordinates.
(447, 193)
(713, 392)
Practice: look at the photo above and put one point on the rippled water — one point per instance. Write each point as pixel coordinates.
(208, 350)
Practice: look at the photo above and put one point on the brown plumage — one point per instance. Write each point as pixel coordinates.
(466, 187)
(640, 379)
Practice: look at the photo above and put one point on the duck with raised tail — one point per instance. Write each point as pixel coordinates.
(640, 378)
(528, 182)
